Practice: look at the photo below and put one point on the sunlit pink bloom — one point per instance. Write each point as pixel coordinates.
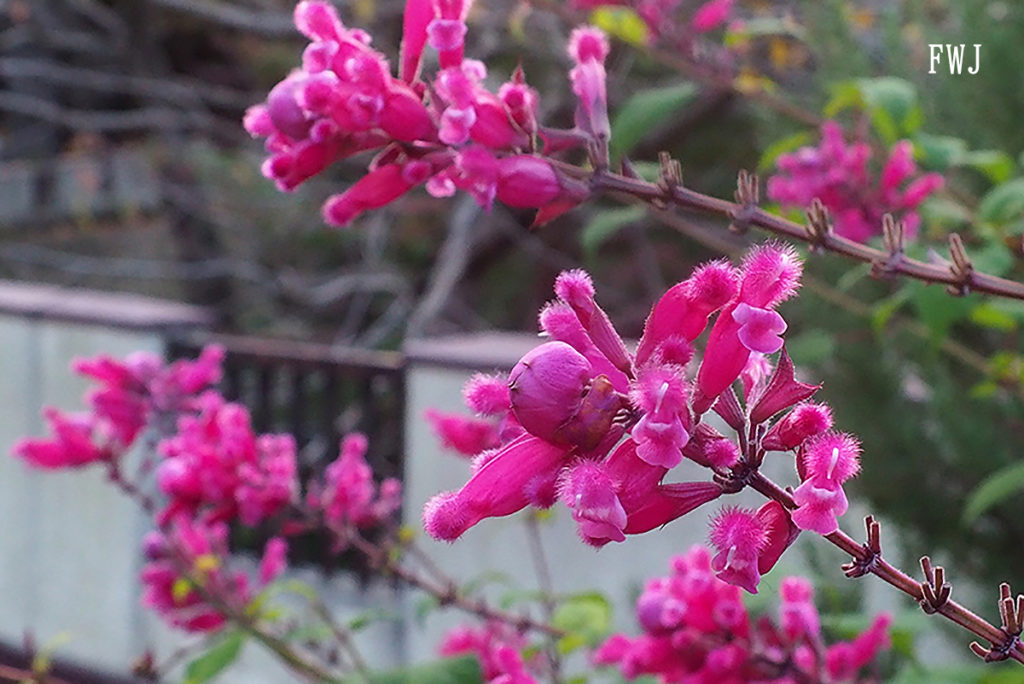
(588, 47)
(348, 495)
(837, 173)
(711, 15)
(274, 560)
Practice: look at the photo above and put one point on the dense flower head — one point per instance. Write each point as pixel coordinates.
(348, 495)
(187, 565)
(130, 395)
(696, 628)
(837, 173)
(498, 649)
(446, 132)
(216, 467)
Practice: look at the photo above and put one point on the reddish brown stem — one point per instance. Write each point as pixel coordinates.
(957, 274)
(446, 591)
(873, 563)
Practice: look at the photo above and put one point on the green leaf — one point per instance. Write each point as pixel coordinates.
(937, 309)
(1003, 203)
(606, 224)
(622, 23)
(892, 105)
(996, 165)
(645, 111)
(939, 152)
(811, 347)
(944, 213)
(215, 660)
(989, 316)
(995, 488)
(994, 258)
(585, 618)
(781, 147)
(844, 96)
(462, 670)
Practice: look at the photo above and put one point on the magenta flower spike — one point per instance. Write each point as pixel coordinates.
(509, 481)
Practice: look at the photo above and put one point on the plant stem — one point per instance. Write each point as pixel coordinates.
(960, 280)
(542, 568)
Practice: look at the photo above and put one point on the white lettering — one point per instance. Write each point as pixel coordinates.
(956, 58)
(935, 55)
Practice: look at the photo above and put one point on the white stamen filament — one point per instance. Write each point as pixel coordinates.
(832, 463)
(662, 391)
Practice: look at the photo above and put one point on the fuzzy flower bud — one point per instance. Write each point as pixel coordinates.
(804, 421)
(740, 536)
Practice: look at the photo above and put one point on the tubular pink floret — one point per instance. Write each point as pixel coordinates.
(834, 457)
(465, 434)
(446, 518)
(712, 285)
(576, 288)
(737, 527)
(590, 493)
(770, 275)
(487, 394)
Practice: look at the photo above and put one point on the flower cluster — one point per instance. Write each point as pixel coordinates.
(586, 422)
(185, 572)
(697, 629)
(837, 173)
(217, 468)
(448, 132)
(348, 497)
(497, 648)
(129, 395)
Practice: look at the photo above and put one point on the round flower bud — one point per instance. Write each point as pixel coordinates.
(547, 387)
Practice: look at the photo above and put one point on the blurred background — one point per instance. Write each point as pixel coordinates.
(124, 169)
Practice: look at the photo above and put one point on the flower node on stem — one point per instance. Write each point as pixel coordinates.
(747, 197)
(935, 589)
(819, 225)
(872, 551)
(961, 268)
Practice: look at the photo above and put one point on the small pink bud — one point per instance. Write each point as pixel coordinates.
(547, 387)
(577, 289)
(284, 110)
(318, 20)
(526, 181)
(274, 561)
(804, 421)
(770, 275)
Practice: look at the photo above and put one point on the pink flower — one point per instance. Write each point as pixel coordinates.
(661, 432)
(828, 460)
(464, 434)
(711, 15)
(274, 561)
(497, 648)
(189, 553)
(130, 395)
(804, 421)
(739, 537)
(760, 329)
(348, 495)
(588, 47)
(522, 472)
(216, 467)
(770, 275)
(837, 173)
